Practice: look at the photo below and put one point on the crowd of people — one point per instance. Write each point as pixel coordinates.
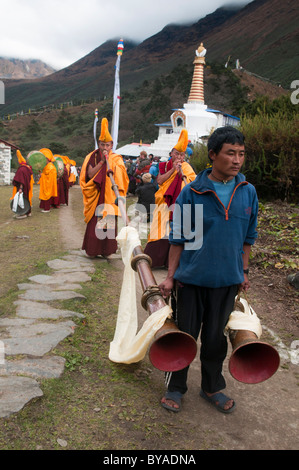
(144, 179)
(202, 228)
(53, 187)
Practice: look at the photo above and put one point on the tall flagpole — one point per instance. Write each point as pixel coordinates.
(116, 96)
(96, 118)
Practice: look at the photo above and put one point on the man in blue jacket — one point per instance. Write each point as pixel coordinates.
(214, 227)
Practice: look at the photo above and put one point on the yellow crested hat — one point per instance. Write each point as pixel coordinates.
(20, 157)
(48, 154)
(181, 146)
(105, 134)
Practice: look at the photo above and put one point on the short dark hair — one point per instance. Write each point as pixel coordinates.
(225, 135)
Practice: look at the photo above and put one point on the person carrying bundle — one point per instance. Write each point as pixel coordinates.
(48, 193)
(23, 182)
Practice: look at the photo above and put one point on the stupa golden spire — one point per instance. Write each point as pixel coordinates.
(197, 86)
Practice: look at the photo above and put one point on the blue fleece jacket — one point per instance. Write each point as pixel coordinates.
(213, 235)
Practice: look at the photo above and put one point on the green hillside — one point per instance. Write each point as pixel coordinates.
(263, 36)
(69, 130)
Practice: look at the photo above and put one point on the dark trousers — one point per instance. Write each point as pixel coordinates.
(205, 311)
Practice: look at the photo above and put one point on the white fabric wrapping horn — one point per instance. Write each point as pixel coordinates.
(244, 320)
(128, 346)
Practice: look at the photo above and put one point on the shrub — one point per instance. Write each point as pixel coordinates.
(199, 159)
(271, 164)
(58, 148)
(33, 129)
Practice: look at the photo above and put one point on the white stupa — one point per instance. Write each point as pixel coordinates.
(195, 116)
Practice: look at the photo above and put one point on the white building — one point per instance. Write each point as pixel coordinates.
(5, 161)
(195, 116)
(133, 150)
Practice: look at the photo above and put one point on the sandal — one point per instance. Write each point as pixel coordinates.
(219, 400)
(174, 396)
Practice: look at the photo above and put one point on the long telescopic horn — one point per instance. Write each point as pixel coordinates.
(171, 349)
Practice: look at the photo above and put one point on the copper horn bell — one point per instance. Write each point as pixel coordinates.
(171, 349)
(252, 361)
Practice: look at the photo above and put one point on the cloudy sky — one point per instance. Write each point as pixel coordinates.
(59, 32)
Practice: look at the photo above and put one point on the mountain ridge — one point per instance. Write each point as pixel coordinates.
(262, 35)
(12, 68)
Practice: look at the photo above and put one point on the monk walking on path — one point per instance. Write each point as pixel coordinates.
(23, 182)
(98, 193)
(48, 193)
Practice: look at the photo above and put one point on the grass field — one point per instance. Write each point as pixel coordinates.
(100, 405)
(96, 404)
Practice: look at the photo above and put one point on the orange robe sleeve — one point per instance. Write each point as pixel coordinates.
(30, 195)
(89, 191)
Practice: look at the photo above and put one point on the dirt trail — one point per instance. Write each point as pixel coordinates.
(71, 228)
(266, 416)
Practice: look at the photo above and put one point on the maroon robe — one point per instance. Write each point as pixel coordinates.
(63, 188)
(159, 250)
(174, 189)
(52, 202)
(23, 176)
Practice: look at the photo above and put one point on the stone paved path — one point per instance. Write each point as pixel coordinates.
(32, 334)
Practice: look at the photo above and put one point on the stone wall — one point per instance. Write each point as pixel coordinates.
(5, 163)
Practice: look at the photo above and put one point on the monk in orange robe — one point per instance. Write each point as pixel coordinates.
(98, 195)
(171, 182)
(23, 182)
(72, 173)
(48, 193)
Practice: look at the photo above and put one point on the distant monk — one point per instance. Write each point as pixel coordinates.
(97, 190)
(170, 181)
(23, 182)
(63, 182)
(48, 193)
(73, 173)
